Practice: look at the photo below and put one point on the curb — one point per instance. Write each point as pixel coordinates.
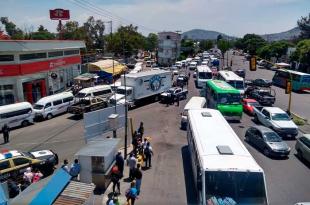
(300, 127)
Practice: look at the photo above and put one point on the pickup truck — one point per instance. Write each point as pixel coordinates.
(87, 105)
(263, 96)
(174, 93)
(276, 119)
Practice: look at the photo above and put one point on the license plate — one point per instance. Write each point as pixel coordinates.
(289, 135)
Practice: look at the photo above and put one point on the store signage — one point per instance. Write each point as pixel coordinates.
(59, 14)
(57, 63)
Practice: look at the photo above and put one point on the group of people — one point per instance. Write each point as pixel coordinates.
(141, 150)
(74, 170)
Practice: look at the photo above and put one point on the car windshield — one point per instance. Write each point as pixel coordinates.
(229, 98)
(122, 91)
(205, 75)
(241, 187)
(272, 137)
(38, 106)
(280, 117)
(80, 95)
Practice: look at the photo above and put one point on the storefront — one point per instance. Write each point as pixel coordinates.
(28, 75)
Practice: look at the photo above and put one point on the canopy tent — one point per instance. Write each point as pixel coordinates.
(107, 67)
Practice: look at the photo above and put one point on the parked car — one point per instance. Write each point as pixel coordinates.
(240, 72)
(267, 140)
(248, 105)
(302, 147)
(263, 96)
(181, 80)
(87, 105)
(174, 93)
(276, 119)
(262, 82)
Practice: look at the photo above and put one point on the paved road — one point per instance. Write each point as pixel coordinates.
(169, 181)
(300, 101)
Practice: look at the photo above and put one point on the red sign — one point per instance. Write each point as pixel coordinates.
(59, 14)
(34, 67)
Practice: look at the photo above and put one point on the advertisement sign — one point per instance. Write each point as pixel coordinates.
(59, 14)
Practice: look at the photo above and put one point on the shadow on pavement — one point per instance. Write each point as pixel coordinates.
(191, 193)
(304, 162)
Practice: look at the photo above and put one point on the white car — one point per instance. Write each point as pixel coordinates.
(195, 74)
(175, 72)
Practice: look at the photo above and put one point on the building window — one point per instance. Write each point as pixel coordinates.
(6, 58)
(31, 56)
(6, 94)
(55, 54)
(72, 52)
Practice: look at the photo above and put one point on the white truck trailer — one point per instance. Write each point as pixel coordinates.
(141, 86)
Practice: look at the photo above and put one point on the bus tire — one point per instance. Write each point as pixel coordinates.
(49, 116)
(25, 123)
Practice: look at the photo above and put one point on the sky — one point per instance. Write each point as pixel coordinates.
(232, 17)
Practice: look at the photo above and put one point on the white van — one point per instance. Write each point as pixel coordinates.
(193, 65)
(194, 103)
(18, 114)
(52, 105)
(103, 91)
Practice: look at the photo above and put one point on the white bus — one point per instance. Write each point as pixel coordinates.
(223, 169)
(204, 73)
(233, 79)
(18, 114)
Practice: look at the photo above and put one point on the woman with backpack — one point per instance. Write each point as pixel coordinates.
(132, 194)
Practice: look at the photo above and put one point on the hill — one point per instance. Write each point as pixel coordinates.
(286, 35)
(200, 34)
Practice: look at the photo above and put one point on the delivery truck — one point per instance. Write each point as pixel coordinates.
(142, 86)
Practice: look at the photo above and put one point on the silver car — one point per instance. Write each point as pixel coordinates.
(303, 147)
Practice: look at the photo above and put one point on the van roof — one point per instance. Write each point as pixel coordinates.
(204, 68)
(54, 97)
(229, 75)
(146, 73)
(95, 88)
(12, 107)
(195, 103)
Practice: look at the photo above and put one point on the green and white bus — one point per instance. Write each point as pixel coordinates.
(225, 98)
(301, 81)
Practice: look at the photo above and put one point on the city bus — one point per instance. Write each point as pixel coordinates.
(204, 73)
(301, 81)
(223, 97)
(224, 172)
(232, 79)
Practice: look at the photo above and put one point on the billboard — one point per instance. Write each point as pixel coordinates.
(59, 14)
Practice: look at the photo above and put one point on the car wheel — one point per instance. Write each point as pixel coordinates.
(266, 152)
(25, 123)
(49, 116)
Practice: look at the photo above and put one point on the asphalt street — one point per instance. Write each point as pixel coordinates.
(169, 181)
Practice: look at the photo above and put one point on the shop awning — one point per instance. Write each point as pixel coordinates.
(107, 66)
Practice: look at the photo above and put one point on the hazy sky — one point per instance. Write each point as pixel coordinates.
(233, 17)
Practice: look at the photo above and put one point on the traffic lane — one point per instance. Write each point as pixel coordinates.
(300, 104)
(287, 179)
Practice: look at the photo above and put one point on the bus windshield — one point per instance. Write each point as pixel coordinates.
(205, 75)
(229, 98)
(241, 187)
(237, 84)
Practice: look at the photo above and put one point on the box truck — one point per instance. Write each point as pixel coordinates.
(141, 86)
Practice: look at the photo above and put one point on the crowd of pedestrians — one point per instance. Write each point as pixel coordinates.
(142, 152)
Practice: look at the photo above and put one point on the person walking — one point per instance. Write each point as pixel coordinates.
(6, 133)
(119, 161)
(65, 165)
(115, 177)
(37, 176)
(75, 169)
(178, 100)
(148, 152)
(28, 175)
(141, 129)
(131, 162)
(131, 193)
(138, 178)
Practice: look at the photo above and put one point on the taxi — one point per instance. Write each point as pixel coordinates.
(14, 163)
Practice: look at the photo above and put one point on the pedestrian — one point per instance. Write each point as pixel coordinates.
(37, 176)
(141, 129)
(178, 100)
(131, 193)
(6, 133)
(148, 152)
(131, 162)
(75, 169)
(115, 177)
(65, 165)
(138, 178)
(189, 75)
(120, 163)
(134, 141)
(28, 175)
(168, 99)
(144, 143)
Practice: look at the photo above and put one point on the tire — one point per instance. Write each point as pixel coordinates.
(25, 123)
(49, 116)
(266, 152)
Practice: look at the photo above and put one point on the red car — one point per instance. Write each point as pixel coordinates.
(248, 105)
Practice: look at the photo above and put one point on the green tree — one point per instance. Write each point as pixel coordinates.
(278, 48)
(302, 53)
(12, 30)
(304, 26)
(224, 45)
(95, 32)
(264, 52)
(72, 31)
(151, 42)
(219, 37)
(252, 43)
(187, 48)
(206, 45)
(42, 34)
(239, 44)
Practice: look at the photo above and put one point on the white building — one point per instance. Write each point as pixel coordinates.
(169, 44)
(31, 69)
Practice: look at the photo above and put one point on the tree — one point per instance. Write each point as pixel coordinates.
(42, 34)
(304, 26)
(252, 43)
(224, 45)
(206, 45)
(239, 44)
(151, 42)
(302, 53)
(72, 31)
(187, 48)
(95, 32)
(264, 52)
(219, 37)
(11, 29)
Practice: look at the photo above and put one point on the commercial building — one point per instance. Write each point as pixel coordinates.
(169, 44)
(31, 69)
